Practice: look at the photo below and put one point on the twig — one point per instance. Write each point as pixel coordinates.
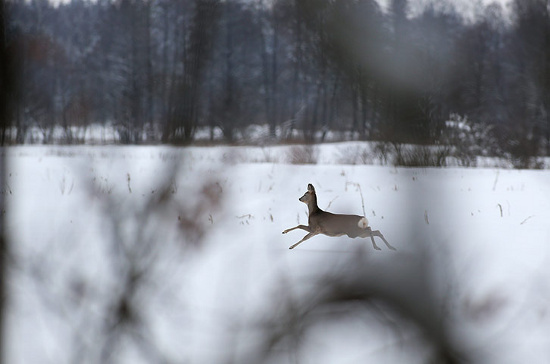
(500, 207)
(249, 216)
(129, 188)
(360, 192)
(524, 221)
(496, 180)
(330, 203)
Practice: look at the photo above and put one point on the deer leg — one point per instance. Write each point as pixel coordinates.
(303, 239)
(373, 243)
(369, 233)
(303, 227)
(379, 234)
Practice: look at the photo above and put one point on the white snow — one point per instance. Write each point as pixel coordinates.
(486, 230)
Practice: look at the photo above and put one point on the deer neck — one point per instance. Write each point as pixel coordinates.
(312, 206)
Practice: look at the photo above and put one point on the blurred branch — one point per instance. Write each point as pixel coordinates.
(398, 292)
(5, 90)
(115, 314)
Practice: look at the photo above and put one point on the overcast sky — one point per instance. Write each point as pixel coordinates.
(467, 7)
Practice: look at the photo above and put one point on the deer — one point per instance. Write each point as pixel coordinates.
(326, 223)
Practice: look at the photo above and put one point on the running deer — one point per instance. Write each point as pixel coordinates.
(323, 222)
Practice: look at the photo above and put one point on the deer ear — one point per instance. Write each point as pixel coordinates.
(310, 188)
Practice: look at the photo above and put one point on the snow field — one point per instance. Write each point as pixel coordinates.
(209, 281)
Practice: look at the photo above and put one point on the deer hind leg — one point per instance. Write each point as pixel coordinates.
(303, 239)
(373, 243)
(379, 234)
(303, 227)
(369, 233)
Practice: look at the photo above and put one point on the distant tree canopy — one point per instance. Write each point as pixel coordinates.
(158, 70)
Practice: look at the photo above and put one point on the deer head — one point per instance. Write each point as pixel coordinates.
(309, 195)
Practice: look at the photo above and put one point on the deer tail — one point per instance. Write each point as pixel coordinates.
(363, 223)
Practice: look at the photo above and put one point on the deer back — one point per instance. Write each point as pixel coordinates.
(338, 224)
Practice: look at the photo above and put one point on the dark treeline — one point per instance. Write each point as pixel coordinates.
(158, 70)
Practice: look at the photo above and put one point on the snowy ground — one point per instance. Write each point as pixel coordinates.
(203, 225)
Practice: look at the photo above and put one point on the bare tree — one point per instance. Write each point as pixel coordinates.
(185, 98)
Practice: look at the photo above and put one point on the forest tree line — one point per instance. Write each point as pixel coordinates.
(158, 70)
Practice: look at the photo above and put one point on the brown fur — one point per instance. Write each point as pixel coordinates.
(326, 223)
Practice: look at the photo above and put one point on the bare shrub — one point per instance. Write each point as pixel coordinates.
(383, 151)
(421, 155)
(469, 140)
(526, 161)
(269, 156)
(303, 154)
(355, 155)
(523, 151)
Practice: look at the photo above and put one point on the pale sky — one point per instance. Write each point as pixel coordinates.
(467, 4)
(464, 6)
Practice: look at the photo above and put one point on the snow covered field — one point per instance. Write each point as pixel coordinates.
(160, 254)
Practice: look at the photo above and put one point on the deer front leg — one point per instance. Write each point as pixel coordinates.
(303, 239)
(303, 227)
(379, 234)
